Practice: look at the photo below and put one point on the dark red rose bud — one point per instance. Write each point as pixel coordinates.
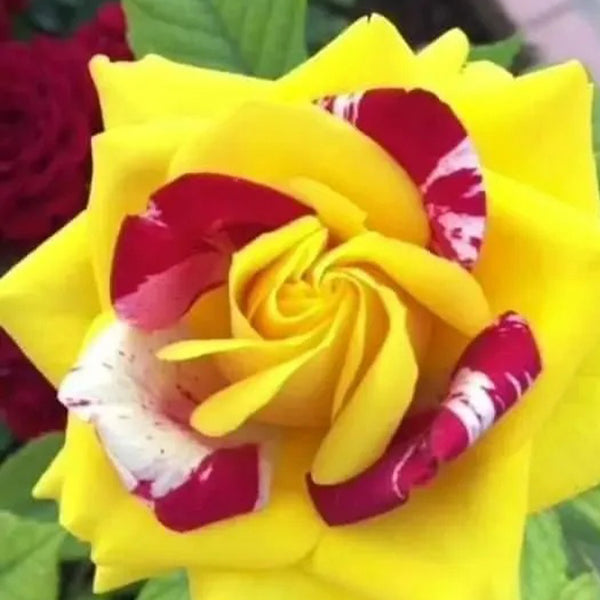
(28, 403)
(48, 112)
(107, 33)
(8, 8)
(47, 109)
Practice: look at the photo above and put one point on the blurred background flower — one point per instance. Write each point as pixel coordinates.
(7, 9)
(49, 111)
(28, 404)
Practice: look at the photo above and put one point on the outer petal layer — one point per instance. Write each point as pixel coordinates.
(564, 457)
(47, 311)
(155, 89)
(293, 584)
(459, 539)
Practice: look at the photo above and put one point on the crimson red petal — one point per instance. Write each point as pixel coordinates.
(182, 246)
(427, 139)
(225, 485)
(495, 371)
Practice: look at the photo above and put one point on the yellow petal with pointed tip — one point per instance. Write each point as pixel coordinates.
(49, 300)
(529, 145)
(444, 57)
(49, 486)
(370, 53)
(109, 578)
(154, 89)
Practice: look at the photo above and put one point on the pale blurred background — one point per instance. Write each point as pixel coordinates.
(554, 30)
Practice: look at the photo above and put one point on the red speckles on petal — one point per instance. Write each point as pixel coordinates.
(140, 407)
(426, 138)
(496, 369)
(182, 246)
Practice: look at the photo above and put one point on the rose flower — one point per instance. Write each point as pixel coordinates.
(327, 337)
(48, 113)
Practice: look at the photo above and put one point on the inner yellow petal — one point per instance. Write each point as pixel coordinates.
(365, 426)
(252, 259)
(342, 218)
(443, 287)
(285, 274)
(297, 392)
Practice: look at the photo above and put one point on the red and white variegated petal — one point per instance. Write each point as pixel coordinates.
(182, 246)
(140, 407)
(495, 371)
(427, 139)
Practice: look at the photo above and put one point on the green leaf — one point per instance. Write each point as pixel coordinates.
(257, 37)
(28, 559)
(74, 550)
(585, 587)
(582, 516)
(21, 471)
(170, 587)
(544, 562)
(502, 53)
(596, 120)
(6, 439)
(344, 4)
(323, 26)
(580, 519)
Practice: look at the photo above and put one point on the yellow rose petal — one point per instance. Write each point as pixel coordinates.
(342, 218)
(49, 300)
(154, 89)
(264, 585)
(368, 329)
(296, 393)
(443, 287)
(109, 578)
(365, 426)
(444, 57)
(459, 538)
(255, 257)
(529, 145)
(308, 142)
(119, 520)
(569, 438)
(542, 259)
(130, 163)
(370, 53)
